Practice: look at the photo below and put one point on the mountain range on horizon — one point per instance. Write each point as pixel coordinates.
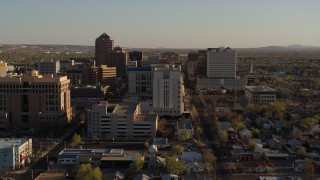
(272, 47)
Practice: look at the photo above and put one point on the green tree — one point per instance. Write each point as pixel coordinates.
(310, 122)
(223, 135)
(238, 126)
(146, 144)
(251, 145)
(302, 151)
(184, 136)
(177, 150)
(86, 172)
(138, 162)
(255, 131)
(76, 139)
(174, 166)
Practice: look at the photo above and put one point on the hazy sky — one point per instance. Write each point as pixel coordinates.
(162, 23)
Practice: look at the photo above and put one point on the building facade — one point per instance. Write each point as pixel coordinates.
(31, 101)
(14, 153)
(103, 47)
(167, 90)
(102, 75)
(121, 122)
(221, 63)
(136, 56)
(49, 67)
(260, 94)
(140, 81)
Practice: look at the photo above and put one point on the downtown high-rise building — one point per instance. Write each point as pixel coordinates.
(107, 54)
(103, 48)
(221, 63)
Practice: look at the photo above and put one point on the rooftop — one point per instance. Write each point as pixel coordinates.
(185, 124)
(259, 89)
(51, 176)
(5, 142)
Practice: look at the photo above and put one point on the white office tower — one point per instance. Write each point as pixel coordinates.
(168, 90)
(221, 63)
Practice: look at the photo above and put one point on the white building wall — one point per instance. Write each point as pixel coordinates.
(167, 92)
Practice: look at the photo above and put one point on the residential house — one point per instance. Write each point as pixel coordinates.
(119, 176)
(255, 166)
(170, 177)
(152, 149)
(184, 126)
(245, 134)
(262, 122)
(300, 131)
(193, 161)
(294, 144)
(274, 143)
(157, 163)
(142, 177)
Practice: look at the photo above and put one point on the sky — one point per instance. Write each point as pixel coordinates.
(162, 23)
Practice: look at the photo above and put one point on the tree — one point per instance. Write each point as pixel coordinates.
(184, 136)
(86, 172)
(255, 131)
(238, 126)
(177, 150)
(302, 151)
(208, 156)
(138, 162)
(308, 168)
(310, 122)
(252, 145)
(174, 166)
(76, 139)
(146, 144)
(223, 135)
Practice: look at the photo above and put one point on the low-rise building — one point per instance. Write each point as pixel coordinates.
(260, 94)
(14, 153)
(121, 122)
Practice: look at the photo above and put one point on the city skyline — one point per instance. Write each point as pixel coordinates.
(143, 24)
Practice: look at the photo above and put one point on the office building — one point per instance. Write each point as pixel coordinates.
(221, 63)
(119, 59)
(136, 56)
(167, 90)
(49, 67)
(121, 122)
(75, 77)
(260, 94)
(107, 54)
(14, 153)
(161, 83)
(201, 69)
(88, 91)
(140, 81)
(103, 48)
(193, 56)
(31, 101)
(103, 75)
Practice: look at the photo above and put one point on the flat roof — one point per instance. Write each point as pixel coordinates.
(259, 89)
(51, 176)
(125, 108)
(10, 142)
